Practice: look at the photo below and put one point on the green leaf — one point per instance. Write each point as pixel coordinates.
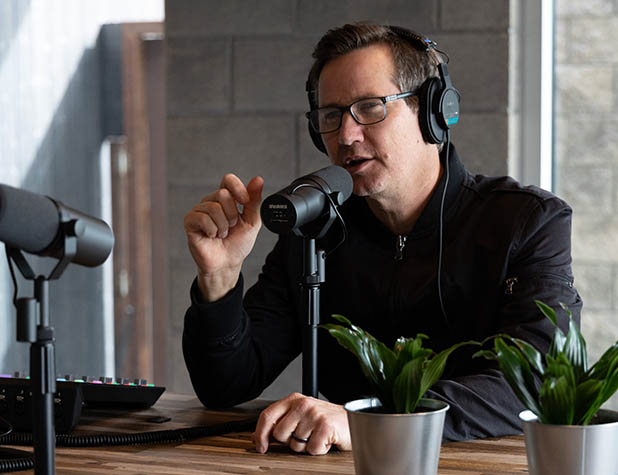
(342, 319)
(560, 366)
(586, 395)
(600, 369)
(436, 366)
(606, 371)
(517, 373)
(547, 311)
(611, 380)
(382, 359)
(410, 348)
(533, 356)
(557, 400)
(575, 349)
(345, 337)
(357, 343)
(407, 349)
(406, 390)
(557, 342)
(557, 395)
(487, 354)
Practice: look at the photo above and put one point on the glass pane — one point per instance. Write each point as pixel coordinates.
(586, 157)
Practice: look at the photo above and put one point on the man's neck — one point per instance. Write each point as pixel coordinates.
(400, 212)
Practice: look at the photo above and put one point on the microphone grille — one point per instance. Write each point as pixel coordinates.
(27, 221)
(337, 178)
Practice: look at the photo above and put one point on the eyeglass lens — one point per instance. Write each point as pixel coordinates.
(365, 112)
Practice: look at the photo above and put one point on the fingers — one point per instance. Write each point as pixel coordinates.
(320, 440)
(251, 210)
(214, 215)
(304, 424)
(218, 212)
(268, 420)
(295, 421)
(313, 432)
(301, 437)
(236, 187)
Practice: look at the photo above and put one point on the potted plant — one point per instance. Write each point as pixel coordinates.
(398, 431)
(565, 430)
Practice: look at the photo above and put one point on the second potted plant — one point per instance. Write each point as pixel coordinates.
(566, 432)
(398, 431)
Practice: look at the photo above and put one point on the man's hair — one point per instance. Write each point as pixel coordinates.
(411, 65)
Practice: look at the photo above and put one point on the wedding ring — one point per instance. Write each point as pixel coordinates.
(304, 440)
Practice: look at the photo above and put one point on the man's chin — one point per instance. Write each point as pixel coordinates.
(363, 188)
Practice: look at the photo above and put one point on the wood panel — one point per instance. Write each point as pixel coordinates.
(140, 258)
(153, 45)
(234, 453)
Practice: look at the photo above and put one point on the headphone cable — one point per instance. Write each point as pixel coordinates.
(441, 232)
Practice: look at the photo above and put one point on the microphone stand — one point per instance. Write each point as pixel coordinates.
(40, 335)
(313, 276)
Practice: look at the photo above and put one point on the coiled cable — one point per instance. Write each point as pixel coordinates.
(12, 460)
(108, 440)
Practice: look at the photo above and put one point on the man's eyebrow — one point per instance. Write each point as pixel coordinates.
(359, 98)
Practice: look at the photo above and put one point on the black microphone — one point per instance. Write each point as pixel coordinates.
(34, 223)
(306, 199)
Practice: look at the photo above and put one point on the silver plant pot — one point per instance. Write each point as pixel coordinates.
(396, 443)
(572, 450)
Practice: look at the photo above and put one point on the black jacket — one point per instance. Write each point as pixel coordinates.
(504, 246)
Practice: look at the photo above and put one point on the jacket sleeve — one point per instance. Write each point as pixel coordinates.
(539, 268)
(234, 348)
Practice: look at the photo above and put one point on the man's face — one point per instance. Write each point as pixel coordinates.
(384, 159)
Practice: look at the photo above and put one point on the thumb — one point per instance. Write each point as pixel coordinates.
(251, 209)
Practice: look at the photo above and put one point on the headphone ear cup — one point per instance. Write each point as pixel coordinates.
(428, 110)
(316, 139)
(313, 104)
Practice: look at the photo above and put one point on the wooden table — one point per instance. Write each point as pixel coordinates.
(234, 453)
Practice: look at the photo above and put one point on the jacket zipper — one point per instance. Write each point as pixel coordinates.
(512, 281)
(400, 245)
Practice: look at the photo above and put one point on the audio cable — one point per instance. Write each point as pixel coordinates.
(20, 460)
(441, 225)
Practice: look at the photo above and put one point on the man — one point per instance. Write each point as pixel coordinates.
(458, 258)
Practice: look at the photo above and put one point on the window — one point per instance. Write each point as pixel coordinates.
(585, 158)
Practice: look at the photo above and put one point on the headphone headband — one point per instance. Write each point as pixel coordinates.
(422, 43)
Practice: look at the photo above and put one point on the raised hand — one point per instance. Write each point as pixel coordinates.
(220, 236)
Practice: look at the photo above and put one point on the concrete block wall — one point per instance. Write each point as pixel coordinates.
(586, 159)
(236, 98)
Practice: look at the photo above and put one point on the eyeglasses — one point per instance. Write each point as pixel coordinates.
(364, 111)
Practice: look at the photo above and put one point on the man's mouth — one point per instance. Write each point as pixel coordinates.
(353, 162)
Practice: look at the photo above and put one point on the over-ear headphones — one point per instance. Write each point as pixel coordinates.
(438, 100)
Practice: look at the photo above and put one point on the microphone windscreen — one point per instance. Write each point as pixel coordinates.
(27, 221)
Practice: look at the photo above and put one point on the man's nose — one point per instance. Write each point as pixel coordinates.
(350, 131)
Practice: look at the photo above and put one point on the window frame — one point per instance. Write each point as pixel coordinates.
(532, 92)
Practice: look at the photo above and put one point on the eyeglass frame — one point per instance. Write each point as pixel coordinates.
(348, 108)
